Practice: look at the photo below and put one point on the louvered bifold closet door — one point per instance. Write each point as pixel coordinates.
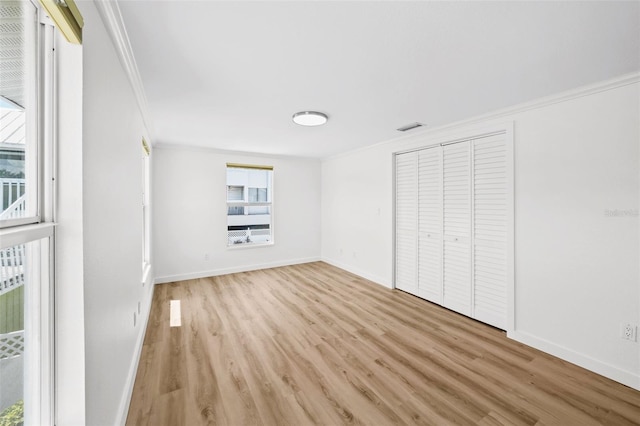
(457, 227)
(490, 230)
(406, 222)
(430, 224)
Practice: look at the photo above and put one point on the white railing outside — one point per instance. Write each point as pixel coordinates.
(15, 210)
(244, 236)
(12, 261)
(11, 344)
(10, 190)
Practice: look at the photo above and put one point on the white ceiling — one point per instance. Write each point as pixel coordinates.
(230, 75)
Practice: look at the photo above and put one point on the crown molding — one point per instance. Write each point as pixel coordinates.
(504, 113)
(109, 11)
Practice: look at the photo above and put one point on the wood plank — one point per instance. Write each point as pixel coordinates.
(313, 344)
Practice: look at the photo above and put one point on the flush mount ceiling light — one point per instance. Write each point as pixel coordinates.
(310, 118)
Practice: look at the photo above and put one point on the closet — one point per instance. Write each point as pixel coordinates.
(453, 226)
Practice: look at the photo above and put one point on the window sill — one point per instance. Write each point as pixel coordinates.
(250, 245)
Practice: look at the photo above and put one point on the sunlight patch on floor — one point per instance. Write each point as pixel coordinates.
(174, 314)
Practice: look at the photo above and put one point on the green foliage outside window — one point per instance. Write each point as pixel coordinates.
(13, 416)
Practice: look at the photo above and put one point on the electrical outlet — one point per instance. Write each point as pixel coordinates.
(206, 257)
(628, 331)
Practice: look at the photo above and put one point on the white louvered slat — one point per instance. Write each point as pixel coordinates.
(490, 230)
(406, 222)
(430, 224)
(457, 227)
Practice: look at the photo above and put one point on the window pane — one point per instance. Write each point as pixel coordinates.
(249, 234)
(257, 195)
(235, 193)
(16, 269)
(262, 210)
(235, 210)
(17, 110)
(146, 222)
(12, 280)
(247, 224)
(25, 339)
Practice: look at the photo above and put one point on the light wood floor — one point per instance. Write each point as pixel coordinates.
(313, 344)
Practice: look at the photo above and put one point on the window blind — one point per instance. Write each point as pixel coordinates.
(248, 166)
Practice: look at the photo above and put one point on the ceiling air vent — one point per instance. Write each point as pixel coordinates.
(410, 127)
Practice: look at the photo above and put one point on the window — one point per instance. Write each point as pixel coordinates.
(146, 219)
(26, 198)
(249, 204)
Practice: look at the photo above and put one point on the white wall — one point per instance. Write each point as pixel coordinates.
(112, 224)
(69, 238)
(357, 213)
(190, 214)
(576, 269)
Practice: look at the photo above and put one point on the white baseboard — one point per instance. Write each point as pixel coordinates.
(627, 378)
(364, 274)
(123, 409)
(232, 270)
